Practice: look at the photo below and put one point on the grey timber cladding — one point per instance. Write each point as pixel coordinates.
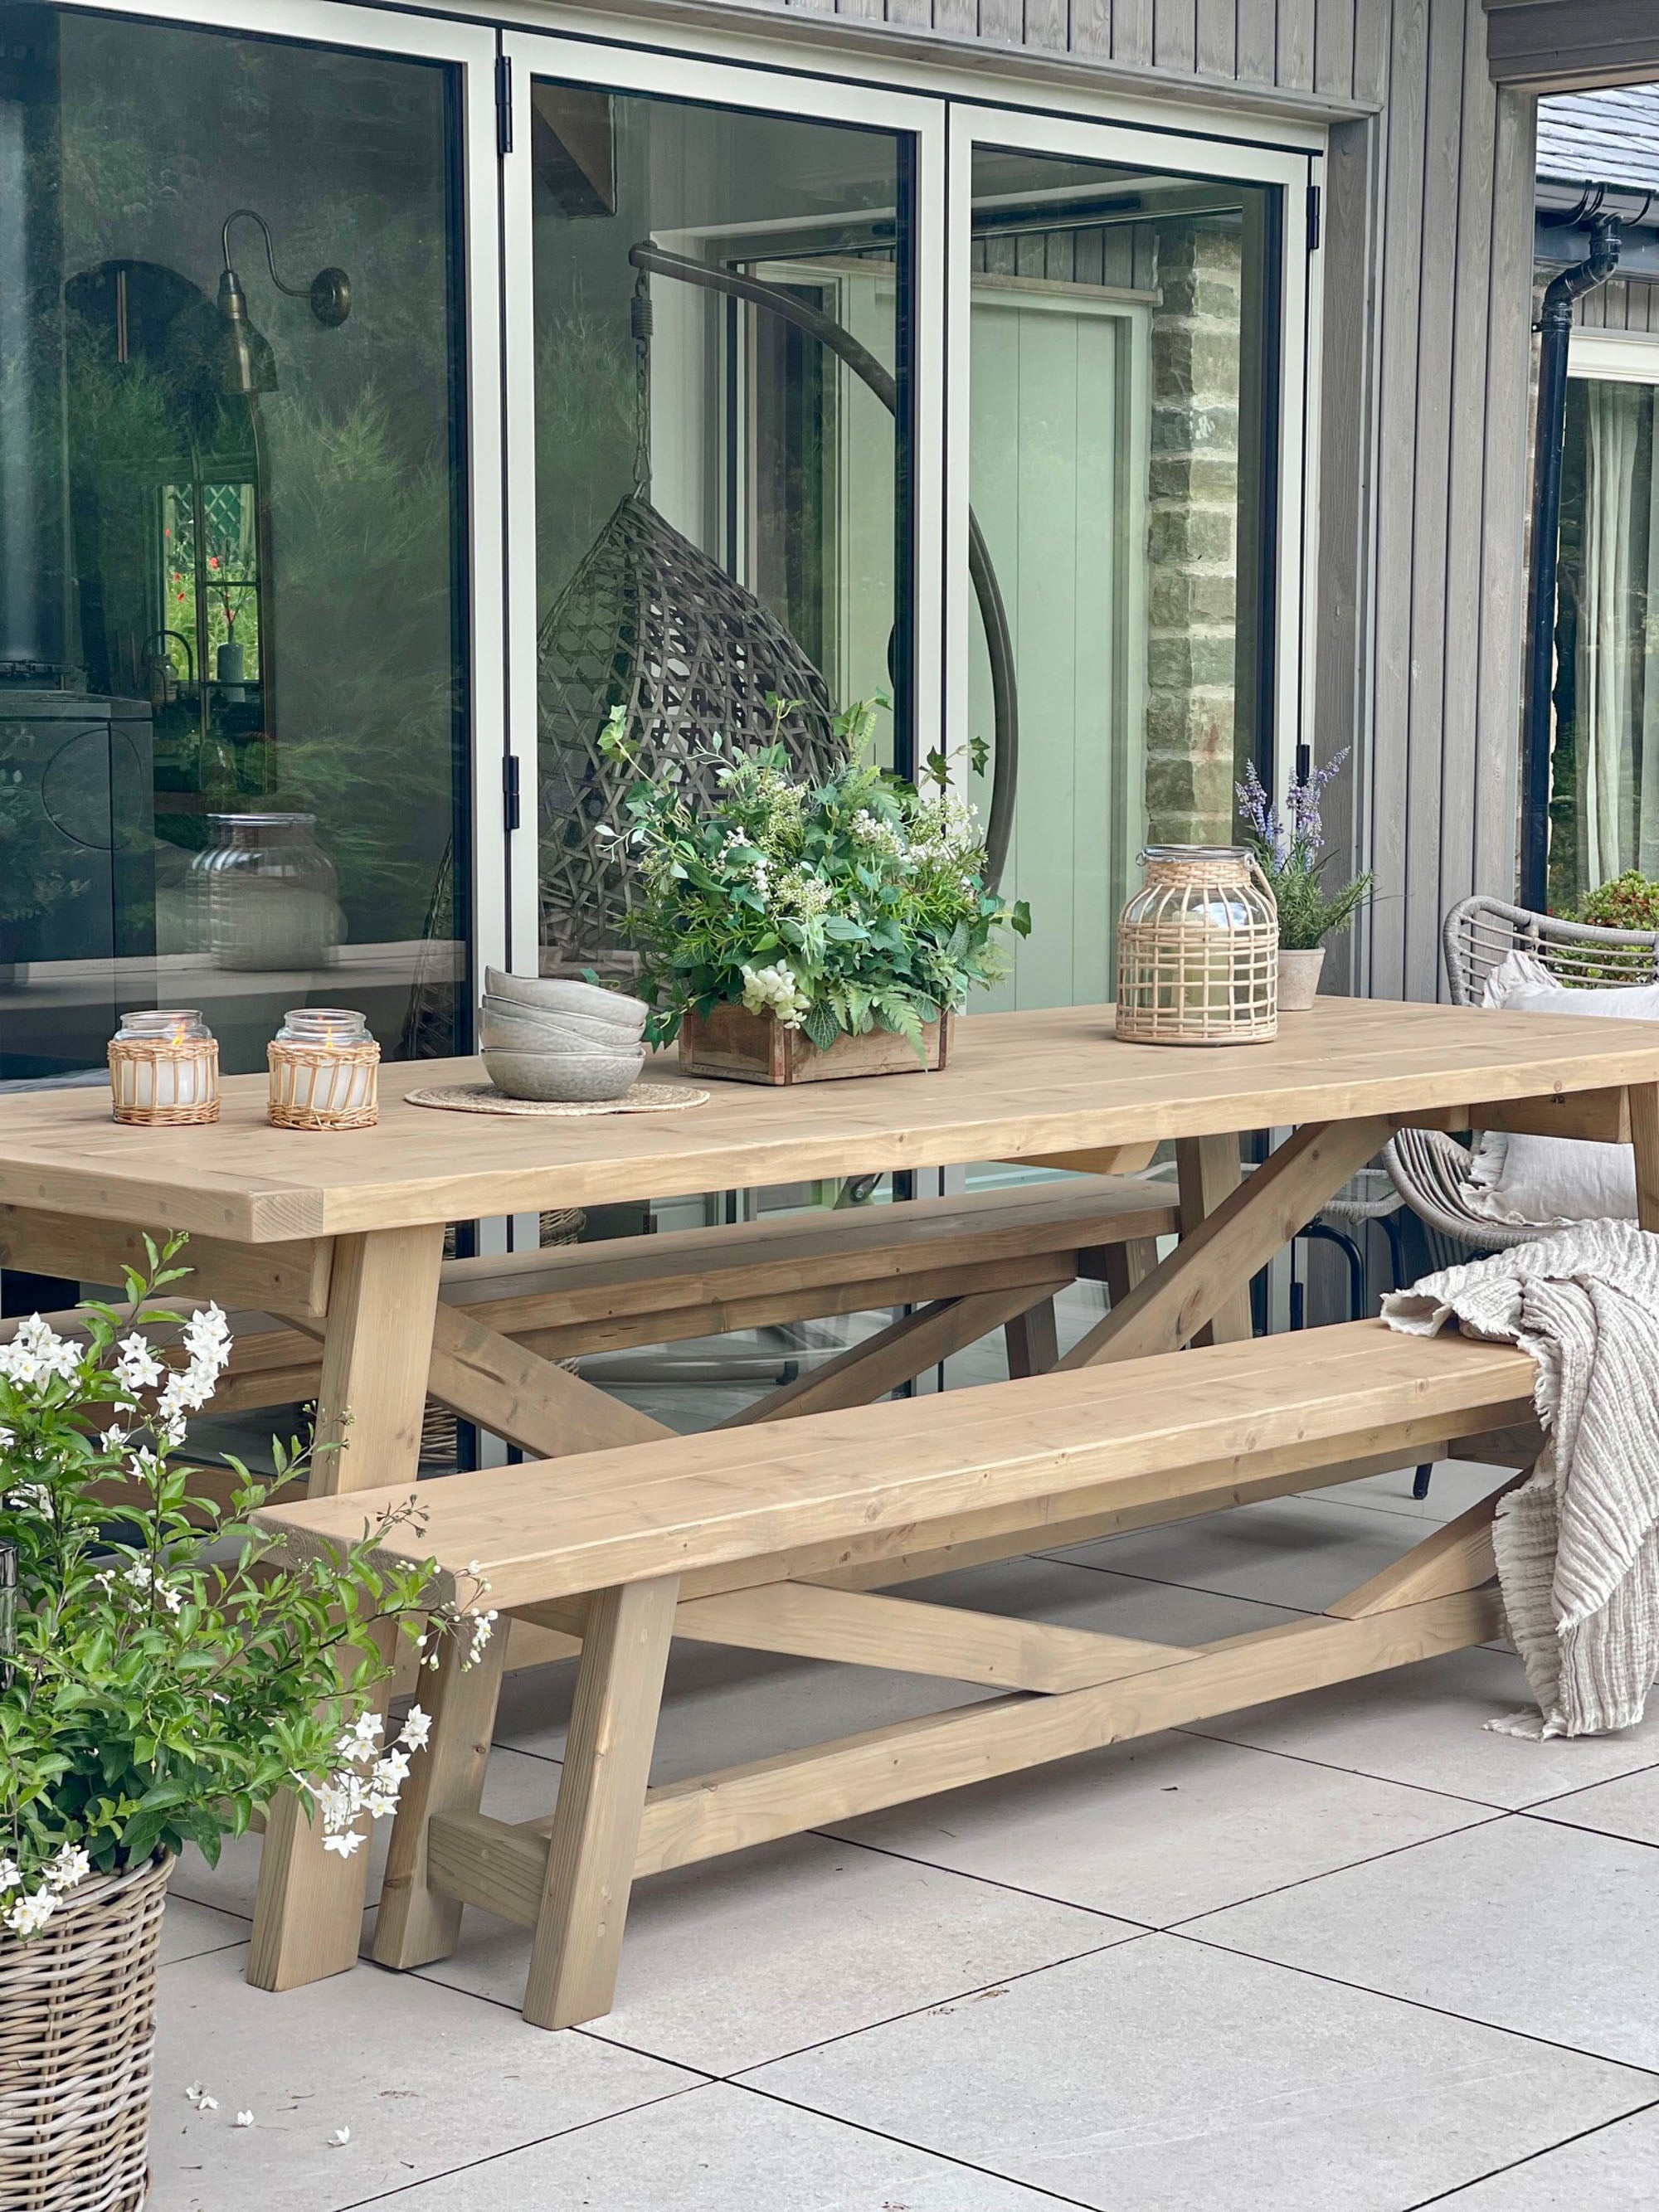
(1336, 48)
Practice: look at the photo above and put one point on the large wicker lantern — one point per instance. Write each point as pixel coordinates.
(1198, 950)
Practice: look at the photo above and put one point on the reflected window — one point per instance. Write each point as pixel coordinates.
(1121, 383)
(722, 415)
(233, 694)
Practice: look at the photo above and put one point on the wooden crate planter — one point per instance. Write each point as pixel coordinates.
(738, 1047)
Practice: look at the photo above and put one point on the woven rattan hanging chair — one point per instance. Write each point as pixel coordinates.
(651, 624)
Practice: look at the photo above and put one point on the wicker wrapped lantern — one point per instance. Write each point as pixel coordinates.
(164, 1069)
(1198, 950)
(324, 1071)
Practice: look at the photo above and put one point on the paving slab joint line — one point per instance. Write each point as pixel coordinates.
(1452, 2196)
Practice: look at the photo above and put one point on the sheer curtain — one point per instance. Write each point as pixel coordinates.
(1608, 667)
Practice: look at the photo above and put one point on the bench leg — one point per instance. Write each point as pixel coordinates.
(415, 1924)
(1033, 1340)
(596, 1824)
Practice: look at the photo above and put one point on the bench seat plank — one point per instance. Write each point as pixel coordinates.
(551, 1529)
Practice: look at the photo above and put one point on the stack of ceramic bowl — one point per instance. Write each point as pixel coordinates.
(550, 1040)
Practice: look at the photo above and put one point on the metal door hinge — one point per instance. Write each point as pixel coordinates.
(1303, 763)
(503, 104)
(510, 815)
(1313, 218)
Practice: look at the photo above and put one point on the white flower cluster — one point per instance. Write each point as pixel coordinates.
(870, 829)
(28, 1913)
(948, 835)
(184, 1390)
(346, 1796)
(142, 1579)
(774, 990)
(37, 1354)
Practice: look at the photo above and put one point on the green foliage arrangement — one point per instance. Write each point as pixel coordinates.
(1630, 901)
(1290, 850)
(854, 904)
(164, 1671)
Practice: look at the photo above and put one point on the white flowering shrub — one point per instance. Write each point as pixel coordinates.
(167, 1671)
(854, 904)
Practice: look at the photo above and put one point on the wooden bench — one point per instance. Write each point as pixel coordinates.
(968, 1264)
(779, 1543)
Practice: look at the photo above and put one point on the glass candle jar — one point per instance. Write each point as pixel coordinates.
(265, 893)
(324, 1071)
(164, 1068)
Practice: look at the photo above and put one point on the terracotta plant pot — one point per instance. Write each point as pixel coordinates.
(1298, 979)
(738, 1047)
(77, 2029)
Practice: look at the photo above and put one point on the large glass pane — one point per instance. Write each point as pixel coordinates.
(1604, 781)
(232, 687)
(721, 409)
(1121, 386)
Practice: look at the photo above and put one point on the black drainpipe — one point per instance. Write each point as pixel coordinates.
(1555, 324)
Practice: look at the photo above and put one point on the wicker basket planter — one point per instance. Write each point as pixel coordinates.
(738, 1047)
(1198, 950)
(78, 2035)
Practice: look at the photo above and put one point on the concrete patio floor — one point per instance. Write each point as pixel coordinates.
(1348, 1954)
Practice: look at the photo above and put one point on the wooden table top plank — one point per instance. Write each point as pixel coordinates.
(1019, 1085)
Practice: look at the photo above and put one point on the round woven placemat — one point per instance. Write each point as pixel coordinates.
(484, 1098)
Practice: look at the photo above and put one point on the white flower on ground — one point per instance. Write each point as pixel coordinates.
(341, 2136)
(243, 2120)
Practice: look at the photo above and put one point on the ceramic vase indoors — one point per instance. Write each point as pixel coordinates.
(1298, 979)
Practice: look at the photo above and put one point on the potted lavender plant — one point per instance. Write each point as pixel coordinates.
(1289, 848)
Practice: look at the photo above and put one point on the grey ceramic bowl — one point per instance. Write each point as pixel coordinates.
(528, 1029)
(556, 994)
(573, 1078)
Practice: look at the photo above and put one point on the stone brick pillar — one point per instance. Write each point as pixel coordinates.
(1192, 537)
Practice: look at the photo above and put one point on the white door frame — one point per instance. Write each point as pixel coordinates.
(1614, 356)
(1296, 486)
(470, 46)
(626, 71)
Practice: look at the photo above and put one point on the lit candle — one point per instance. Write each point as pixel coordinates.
(323, 1071)
(164, 1067)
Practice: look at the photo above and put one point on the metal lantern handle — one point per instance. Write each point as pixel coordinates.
(994, 614)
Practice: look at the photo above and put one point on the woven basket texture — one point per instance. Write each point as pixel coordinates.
(77, 2037)
(1197, 953)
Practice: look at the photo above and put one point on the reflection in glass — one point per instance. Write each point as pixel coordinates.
(1604, 770)
(230, 504)
(721, 457)
(1121, 379)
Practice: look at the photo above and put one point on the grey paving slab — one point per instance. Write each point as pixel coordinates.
(1163, 1828)
(1303, 1552)
(1426, 1725)
(1455, 1486)
(1628, 1806)
(743, 1959)
(1614, 2170)
(188, 1930)
(1551, 1931)
(1164, 2076)
(425, 2079)
(721, 2149)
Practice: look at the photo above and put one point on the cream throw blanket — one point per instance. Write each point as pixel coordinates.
(1577, 1544)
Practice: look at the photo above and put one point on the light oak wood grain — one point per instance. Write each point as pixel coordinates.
(1019, 1086)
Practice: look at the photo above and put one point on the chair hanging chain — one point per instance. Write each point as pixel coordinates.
(640, 315)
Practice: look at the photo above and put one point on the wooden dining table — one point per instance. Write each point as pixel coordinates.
(341, 1235)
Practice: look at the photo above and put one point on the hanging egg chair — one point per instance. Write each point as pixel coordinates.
(651, 624)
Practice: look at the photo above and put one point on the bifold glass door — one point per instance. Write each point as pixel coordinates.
(236, 679)
(1120, 318)
(713, 356)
